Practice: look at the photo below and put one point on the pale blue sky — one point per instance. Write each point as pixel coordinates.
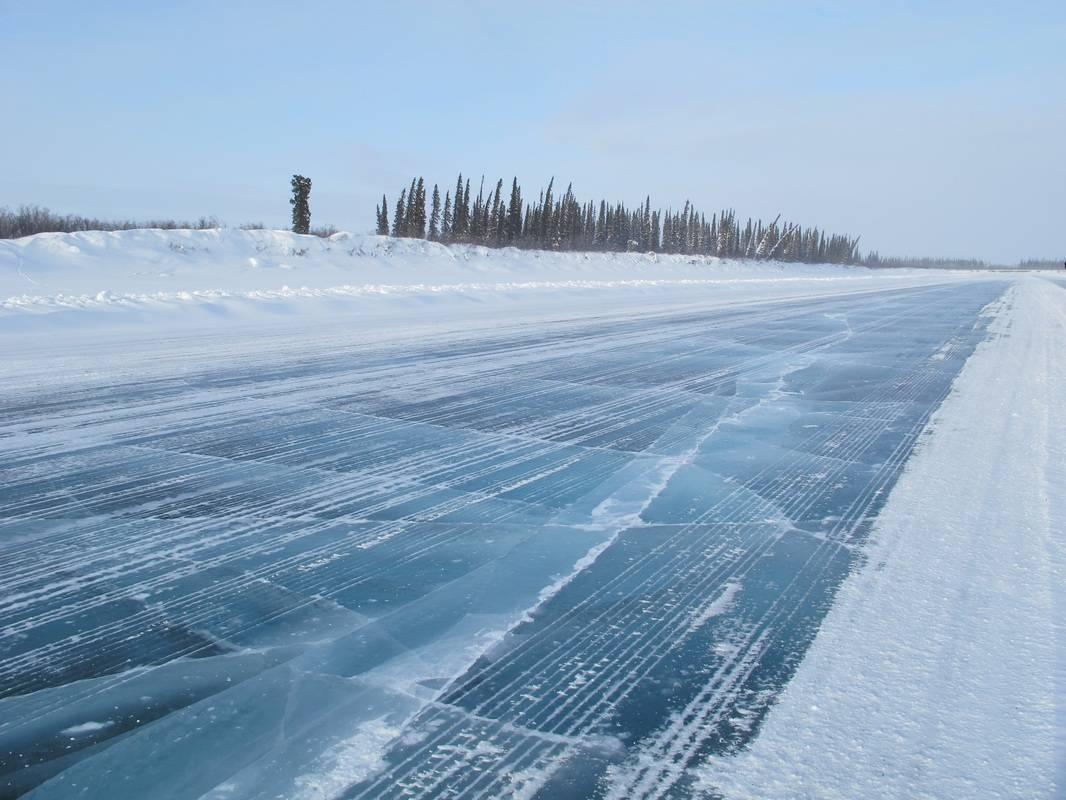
(949, 117)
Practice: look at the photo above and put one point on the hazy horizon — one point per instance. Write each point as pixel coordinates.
(929, 132)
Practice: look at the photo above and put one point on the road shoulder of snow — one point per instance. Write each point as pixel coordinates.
(941, 669)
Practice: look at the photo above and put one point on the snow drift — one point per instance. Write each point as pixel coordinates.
(234, 271)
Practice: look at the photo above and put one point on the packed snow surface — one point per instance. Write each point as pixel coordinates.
(466, 523)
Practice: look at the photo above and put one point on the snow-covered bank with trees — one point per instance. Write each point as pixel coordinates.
(941, 669)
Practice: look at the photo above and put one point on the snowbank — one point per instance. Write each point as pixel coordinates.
(149, 261)
(939, 672)
(236, 270)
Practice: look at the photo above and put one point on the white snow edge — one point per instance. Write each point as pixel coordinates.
(96, 270)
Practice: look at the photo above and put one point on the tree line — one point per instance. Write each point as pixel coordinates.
(497, 218)
(1041, 263)
(875, 259)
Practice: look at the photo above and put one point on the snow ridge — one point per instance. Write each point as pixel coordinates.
(149, 268)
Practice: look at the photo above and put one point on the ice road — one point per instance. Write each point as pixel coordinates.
(561, 561)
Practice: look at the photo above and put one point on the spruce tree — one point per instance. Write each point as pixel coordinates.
(446, 225)
(434, 216)
(417, 225)
(475, 228)
(399, 223)
(501, 226)
(546, 214)
(409, 212)
(513, 227)
(457, 211)
(383, 217)
(494, 228)
(462, 219)
(301, 204)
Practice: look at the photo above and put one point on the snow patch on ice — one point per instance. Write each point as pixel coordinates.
(86, 727)
(347, 762)
(720, 605)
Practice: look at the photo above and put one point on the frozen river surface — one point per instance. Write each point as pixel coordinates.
(575, 560)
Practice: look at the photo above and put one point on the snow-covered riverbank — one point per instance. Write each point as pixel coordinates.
(235, 272)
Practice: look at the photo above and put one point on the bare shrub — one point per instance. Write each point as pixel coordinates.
(27, 220)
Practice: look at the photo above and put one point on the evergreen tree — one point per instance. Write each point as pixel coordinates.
(383, 218)
(514, 213)
(301, 204)
(417, 226)
(475, 227)
(434, 216)
(399, 221)
(446, 225)
(599, 238)
(463, 217)
(501, 226)
(409, 212)
(457, 212)
(546, 216)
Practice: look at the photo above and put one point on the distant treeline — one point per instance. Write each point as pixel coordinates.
(1041, 263)
(494, 219)
(28, 220)
(875, 259)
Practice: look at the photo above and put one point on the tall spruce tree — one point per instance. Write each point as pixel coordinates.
(462, 219)
(457, 211)
(434, 216)
(399, 221)
(546, 216)
(514, 213)
(446, 223)
(494, 230)
(417, 225)
(475, 226)
(301, 204)
(409, 211)
(383, 217)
